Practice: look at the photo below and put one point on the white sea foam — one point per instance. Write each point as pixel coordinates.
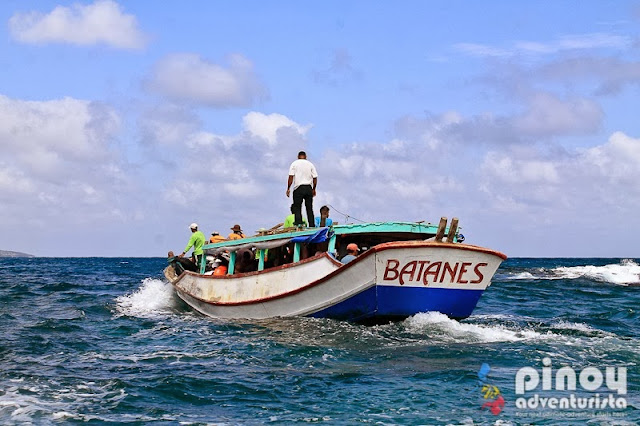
(62, 415)
(21, 407)
(501, 317)
(440, 326)
(627, 272)
(624, 273)
(48, 399)
(153, 297)
(579, 326)
(583, 328)
(522, 276)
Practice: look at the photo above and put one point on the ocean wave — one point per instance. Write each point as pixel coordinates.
(581, 328)
(152, 298)
(441, 326)
(37, 403)
(437, 329)
(625, 273)
(522, 276)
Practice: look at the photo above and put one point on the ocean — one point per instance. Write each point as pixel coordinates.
(106, 341)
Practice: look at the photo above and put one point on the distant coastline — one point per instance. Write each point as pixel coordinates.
(7, 253)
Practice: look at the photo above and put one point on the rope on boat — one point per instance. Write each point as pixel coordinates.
(346, 216)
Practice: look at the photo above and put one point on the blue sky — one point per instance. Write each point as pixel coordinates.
(123, 122)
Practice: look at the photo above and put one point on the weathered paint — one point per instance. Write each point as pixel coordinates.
(260, 260)
(296, 252)
(317, 286)
(232, 263)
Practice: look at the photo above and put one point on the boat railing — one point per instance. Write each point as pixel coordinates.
(277, 237)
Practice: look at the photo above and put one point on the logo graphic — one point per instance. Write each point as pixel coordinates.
(590, 379)
(490, 392)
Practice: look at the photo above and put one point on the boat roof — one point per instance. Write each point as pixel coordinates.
(356, 228)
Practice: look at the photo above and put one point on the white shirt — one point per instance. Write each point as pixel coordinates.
(303, 172)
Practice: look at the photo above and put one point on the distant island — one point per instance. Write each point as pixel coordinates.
(6, 253)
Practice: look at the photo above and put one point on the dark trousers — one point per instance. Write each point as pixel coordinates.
(303, 192)
(197, 259)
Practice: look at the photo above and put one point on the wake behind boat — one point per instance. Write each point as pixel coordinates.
(405, 268)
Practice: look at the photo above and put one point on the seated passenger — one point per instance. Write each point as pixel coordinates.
(245, 261)
(352, 253)
(289, 220)
(181, 264)
(236, 234)
(324, 219)
(216, 237)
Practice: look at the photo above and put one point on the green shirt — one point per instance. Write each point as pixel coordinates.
(197, 241)
(288, 221)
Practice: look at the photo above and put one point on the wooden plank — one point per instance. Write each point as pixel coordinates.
(441, 226)
(453, 228)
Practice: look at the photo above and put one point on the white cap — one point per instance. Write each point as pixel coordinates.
(193, 225)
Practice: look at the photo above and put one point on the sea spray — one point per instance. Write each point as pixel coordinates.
(154, 296)
(626, 272)
(447, 329)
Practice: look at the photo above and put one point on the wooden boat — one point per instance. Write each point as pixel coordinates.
(404, 268)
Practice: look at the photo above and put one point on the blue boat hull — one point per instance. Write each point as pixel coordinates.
(380, 303)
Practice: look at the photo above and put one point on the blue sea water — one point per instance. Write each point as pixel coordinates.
(106, 341)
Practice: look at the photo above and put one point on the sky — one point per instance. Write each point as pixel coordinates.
(122, 122)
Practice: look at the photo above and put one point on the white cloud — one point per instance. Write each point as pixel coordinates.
(481, 50)
(58, 161)
(167, 125)
(564, 43)
(218, 180)
(547, 115)
(100, 22)
(618, 160)
(519, 170)
(609, 75)
(544, 117)
(14, 181)
(593, 41)
(580, 186)
(189, 78)
(43, 138)
(267, 126)
(216, 168)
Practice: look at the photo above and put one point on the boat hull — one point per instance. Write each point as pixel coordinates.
(391, 281)
(386, 303)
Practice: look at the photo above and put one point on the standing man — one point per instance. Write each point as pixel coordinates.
(303, 176)
(197, 241)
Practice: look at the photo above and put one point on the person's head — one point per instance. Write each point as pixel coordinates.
(170, 254)
(352, 248)
(193, 227)
(302, 155)
(214, 233)
(324, 211)
(236, 228)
